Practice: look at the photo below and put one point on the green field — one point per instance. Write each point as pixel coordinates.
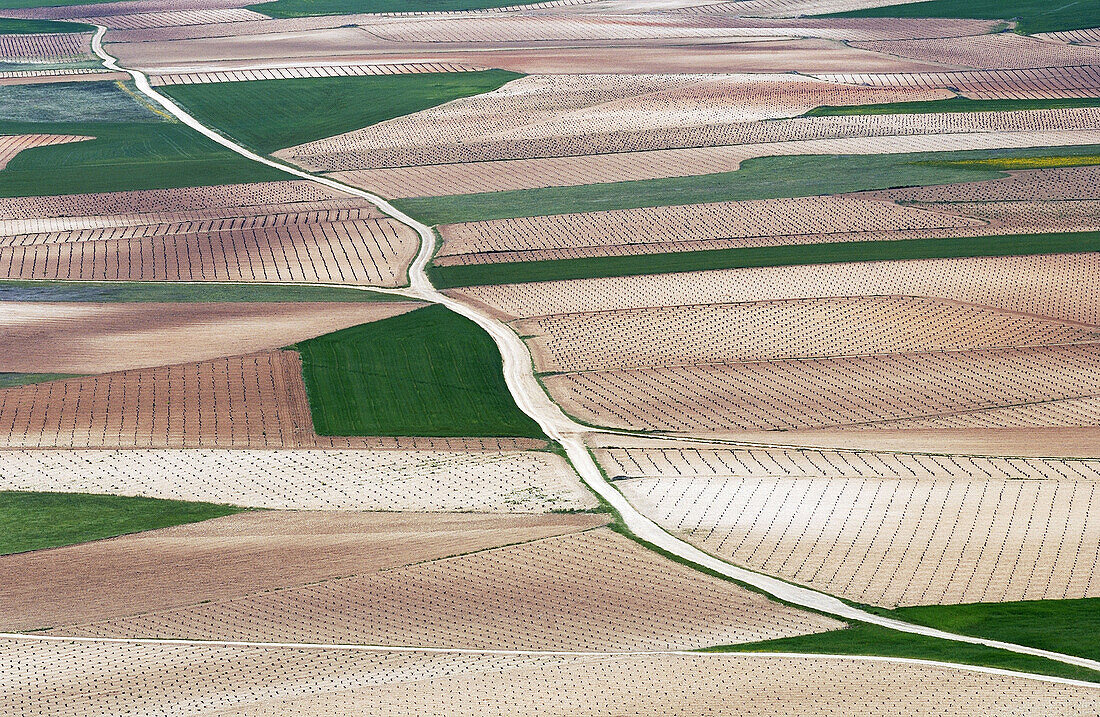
(954, 104)
(1033, 15)
(786, 255)
(10, 379)
(32, 521)
(307, 8)
(123, 156)
(137, 291)
(14, 26)
(429, 372)
(1066, 626)
(267, 115)
(866, 639)
(760, 178)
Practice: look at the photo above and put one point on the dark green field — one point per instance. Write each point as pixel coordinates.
(306, 8)
(124, 156)
(786, 255)
(9, 379)
(1066, 626)
(136, 291)
(1033, 15)
(429, 372)
(14, 26)
(954, 104)
(865, 639)
(760, 178)
(32, 521)
(268, 115)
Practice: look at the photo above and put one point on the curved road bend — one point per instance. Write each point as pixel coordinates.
(529, 396)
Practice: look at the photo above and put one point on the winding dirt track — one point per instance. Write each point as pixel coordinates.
(530, 397)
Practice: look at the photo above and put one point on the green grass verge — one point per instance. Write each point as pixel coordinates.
(308, 8)
(268, 115)
(1071, 627)
(10, 379)
(32, 521)
(760, 178)
(123, 156)
(429, 372)
(1033, 15)
(866, 639)
(15, 26)
(786, 255)
(139, 291)
(1007, 163)
(954, 104)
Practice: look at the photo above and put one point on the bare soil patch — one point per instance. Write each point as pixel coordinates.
(242, 554)
(98, 338)
(11, 145)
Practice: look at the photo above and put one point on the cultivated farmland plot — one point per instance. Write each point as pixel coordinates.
(1003, 51)
(45, 47)
(248, 553)
(624, 113)
(883, 528)
(394, 480)
(11, 145)
(1029, 83)
(89, 337)
(1055, 286)
(802, 393)
(776, 330)
(251, 681)
(576, 591)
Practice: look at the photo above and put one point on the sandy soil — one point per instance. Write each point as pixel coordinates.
(45, 47)
(1056, 286)
(884, 537)
(98, 338)
(242, 554)
(286, 73)
(1034, 83)
(1071, 442)
(500, 480)
(1003, 51)
(11, 145)
(94, 679)
(763, 331)
(575, 591)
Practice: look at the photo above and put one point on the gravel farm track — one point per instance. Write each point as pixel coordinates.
(531, 398)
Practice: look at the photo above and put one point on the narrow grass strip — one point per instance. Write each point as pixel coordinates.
(785, 255)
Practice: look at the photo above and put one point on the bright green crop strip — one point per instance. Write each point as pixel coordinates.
(867, 639)
(1033, 15)
(954, 104)
(785, 255)
(210, 292)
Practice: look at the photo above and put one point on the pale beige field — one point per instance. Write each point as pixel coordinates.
(415, 478)
(886, 529)
(1053, 286)
(191, 680)
(85, 338)
(778, 330)
(579, 591)
(244, 554)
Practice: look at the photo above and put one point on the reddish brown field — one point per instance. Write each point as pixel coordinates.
(255, 401)
(97, 338)
(45, 47)
(1035, 83)
(1003, 51)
